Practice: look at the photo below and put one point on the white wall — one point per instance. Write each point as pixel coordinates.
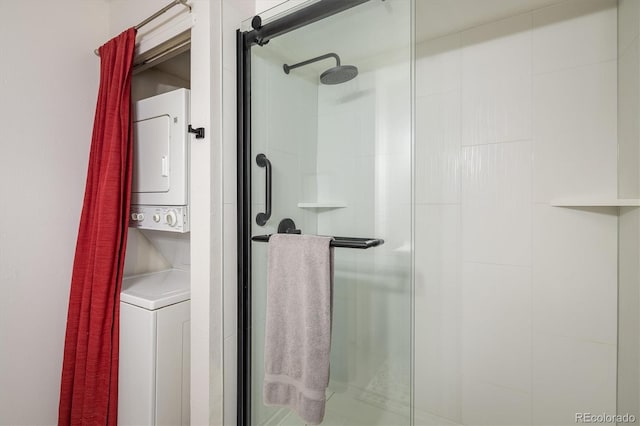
(628, 101)
(629, 187)
(49, 83)
(47, 104)
(515, 299)
(629, 312)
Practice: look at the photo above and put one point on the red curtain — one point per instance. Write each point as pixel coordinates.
(89, 388)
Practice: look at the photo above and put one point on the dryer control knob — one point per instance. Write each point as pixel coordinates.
(156, 217)
(171, 218)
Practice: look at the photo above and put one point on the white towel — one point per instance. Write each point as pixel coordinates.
(298, 324)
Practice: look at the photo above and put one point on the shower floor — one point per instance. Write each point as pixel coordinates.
(345, 410)
(384, 401)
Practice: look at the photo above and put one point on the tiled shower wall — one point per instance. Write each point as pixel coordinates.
(284, 130)
(629, 222)
(515, 299)
(363, 160)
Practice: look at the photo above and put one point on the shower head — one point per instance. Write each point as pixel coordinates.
(339, 74)
(335, 75)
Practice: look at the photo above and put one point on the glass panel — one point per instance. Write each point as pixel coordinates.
(515, 298)
(341, 159)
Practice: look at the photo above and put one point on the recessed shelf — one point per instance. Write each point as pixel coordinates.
(322, 205)
(596, 202)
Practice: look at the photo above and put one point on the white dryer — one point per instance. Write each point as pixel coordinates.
(153, 379)
(160, 182)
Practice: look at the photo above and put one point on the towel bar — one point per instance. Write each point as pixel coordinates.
(344, 242)
(288, 226)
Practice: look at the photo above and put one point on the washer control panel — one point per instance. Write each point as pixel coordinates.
(160, 218)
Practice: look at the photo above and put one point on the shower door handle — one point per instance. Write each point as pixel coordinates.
(263, 161)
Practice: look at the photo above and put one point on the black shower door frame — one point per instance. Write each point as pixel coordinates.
(245, 41)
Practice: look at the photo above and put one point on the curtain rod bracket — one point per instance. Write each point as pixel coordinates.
(199, 131)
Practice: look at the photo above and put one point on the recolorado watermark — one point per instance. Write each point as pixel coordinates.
(605, 418)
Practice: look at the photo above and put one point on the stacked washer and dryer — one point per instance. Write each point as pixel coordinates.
(155, 307)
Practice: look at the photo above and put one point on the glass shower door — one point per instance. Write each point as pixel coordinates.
(331, 130)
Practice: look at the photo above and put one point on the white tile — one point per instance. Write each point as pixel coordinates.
(379, 318)
(628, 128)
(285, 184)
(571, 376)
(437, 148)
(359, 196)
(628, 28)
(496, 81)
(347, 116)
(291, 419)
(572, 33)
(292, 109)
(575, 136)
(344, 409)
(230, 271)
(496, 325)
(628, 311)
(230, 380)
(437, 244)
(496, 203)
(229, 141)
(395, 229)
(338, 137)
(438, 310)
(491, 405)
(345, 152)
(575, 289)
(392, 86)
(392, 185)
(438, 65)
(424, 418)
(259, 102)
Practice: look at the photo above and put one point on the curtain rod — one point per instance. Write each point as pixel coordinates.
(155, 15)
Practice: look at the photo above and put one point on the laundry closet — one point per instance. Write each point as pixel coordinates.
(154, 364)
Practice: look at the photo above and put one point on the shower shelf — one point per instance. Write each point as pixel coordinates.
(322, 205)
(596, 202)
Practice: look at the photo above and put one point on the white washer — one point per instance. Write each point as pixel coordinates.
(153, 378)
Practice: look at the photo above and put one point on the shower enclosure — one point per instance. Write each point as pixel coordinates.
(480, 160)
(326, 144)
